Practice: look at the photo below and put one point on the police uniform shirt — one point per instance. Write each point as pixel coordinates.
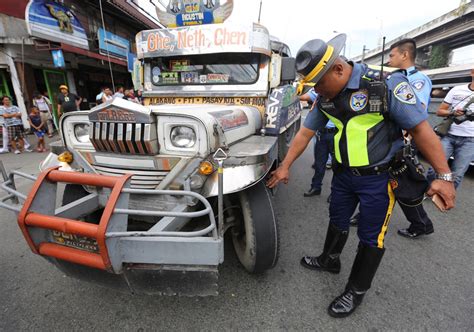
(313, 96)
(404, 107)
(421, 85)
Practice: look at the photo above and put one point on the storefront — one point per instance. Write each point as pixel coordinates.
(5, 84)
(48, 43)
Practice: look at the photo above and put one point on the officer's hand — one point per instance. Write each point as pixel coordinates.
(445, 190)
(458, 112)
(280, 174)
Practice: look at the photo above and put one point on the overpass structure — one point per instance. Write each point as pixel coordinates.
(452, 30)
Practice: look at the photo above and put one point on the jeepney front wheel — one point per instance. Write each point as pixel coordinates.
(255, 238)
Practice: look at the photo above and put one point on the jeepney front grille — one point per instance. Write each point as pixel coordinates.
(130, 138)
(141, 179)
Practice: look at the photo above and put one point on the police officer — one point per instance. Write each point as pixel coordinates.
(323, 147)
(402, 55)
(367, 139)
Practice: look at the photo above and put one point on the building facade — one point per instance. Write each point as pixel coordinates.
(83, 44)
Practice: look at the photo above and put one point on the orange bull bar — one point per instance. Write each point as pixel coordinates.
(28, 218)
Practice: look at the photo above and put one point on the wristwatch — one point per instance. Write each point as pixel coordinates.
(445, 177)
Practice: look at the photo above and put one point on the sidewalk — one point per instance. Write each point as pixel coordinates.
(28, 161)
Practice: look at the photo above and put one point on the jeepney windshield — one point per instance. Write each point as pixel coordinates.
(206, 69)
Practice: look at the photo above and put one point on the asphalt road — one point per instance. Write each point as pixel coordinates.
(427, 284)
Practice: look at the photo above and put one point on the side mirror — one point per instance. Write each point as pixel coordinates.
(288, 70)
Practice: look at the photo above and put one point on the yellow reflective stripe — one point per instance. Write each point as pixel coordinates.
(337, 138)
(356, 141)
(391, 204)
(301, 85)
(321, 64)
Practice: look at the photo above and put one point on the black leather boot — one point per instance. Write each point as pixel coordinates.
(329, 259)
(363, 271)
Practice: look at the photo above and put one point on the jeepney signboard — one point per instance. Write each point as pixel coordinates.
(257, 102)
(203, 39)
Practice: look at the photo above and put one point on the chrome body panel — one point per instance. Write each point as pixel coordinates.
(248, 162)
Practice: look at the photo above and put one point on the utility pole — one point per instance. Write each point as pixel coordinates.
(363, 53)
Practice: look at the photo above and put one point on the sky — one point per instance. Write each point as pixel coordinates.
(364, 21)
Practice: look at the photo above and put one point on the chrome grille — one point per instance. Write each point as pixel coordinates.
(141, 179)
(131, 138)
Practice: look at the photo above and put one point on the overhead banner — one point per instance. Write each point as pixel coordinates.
(53, 21)
(194, 12)
(204, 39)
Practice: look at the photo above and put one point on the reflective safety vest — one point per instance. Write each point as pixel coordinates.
(364, 137)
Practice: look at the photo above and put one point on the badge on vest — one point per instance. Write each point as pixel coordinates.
(359, 100)
(418, 84)
(404, 93)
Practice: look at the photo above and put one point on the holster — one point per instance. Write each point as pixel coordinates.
(337, 168)
(407, 178)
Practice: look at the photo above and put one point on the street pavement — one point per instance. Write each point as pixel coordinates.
(426, 284)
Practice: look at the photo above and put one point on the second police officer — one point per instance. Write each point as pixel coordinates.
(365, 142)
(402, 56)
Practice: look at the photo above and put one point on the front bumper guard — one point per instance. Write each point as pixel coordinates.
(117, 248)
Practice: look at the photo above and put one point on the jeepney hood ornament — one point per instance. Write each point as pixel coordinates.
(121, 110)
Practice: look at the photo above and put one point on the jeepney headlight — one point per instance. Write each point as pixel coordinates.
(81, 131)
(183, 137)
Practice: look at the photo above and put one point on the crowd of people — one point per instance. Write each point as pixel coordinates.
(106, 95)
(41, 119)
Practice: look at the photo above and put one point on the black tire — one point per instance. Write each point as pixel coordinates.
(256, 239)
(284, 139)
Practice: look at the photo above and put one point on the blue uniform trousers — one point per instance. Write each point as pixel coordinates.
(376, 199)
(323, 147)
(418, 218)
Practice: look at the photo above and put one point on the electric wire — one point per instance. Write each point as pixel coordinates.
(107, 45)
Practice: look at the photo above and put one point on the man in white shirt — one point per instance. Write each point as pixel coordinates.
(459, 142)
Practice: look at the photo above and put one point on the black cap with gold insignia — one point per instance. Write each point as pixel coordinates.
(314, 59)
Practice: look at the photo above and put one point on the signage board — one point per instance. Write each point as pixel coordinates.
(58, 58)
(194, 12)
(203, 39)
(116, 46)
(54, 21)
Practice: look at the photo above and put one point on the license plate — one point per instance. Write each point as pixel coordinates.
(76, 241)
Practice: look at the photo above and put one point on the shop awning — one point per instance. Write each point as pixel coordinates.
(77, 50)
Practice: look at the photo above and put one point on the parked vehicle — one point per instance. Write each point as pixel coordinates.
(151, 190)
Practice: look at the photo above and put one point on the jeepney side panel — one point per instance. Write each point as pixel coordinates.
(283, 109)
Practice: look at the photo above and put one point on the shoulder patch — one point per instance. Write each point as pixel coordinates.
(358, 100)
(404, 93)
(418, 84)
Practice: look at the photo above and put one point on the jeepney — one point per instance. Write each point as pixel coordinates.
(150, 190)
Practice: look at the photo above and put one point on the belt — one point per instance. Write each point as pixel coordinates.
(328, 130)
(370, 170)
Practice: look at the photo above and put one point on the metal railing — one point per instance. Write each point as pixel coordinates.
(14, 195)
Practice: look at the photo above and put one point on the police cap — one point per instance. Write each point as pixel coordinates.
(315, 57)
